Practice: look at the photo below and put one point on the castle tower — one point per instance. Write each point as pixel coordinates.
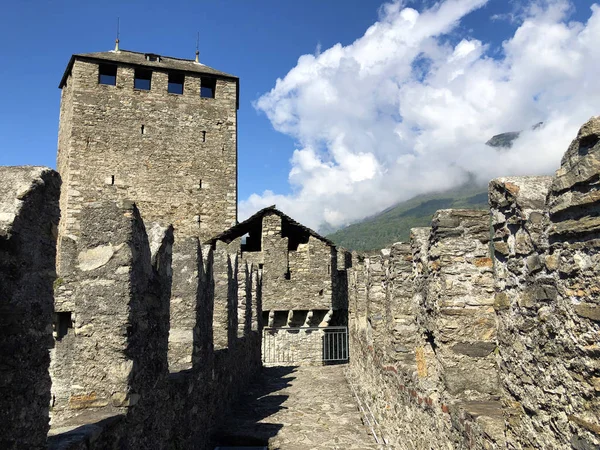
(157, 130)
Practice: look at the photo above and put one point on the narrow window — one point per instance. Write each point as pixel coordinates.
(142, 129)
(107, 74)
(175, 83)
(152, 57)
(62, 323)
(207, 87)
(204, 136)
(321, 292)
(112, 180)
(142, 79)
(200, 185)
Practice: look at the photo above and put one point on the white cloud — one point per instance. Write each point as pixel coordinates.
(401, 112)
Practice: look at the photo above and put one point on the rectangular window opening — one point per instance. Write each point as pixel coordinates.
(152, 57)
(62, 323)
(204, 136)
(142, 79)
(107, 74)
(143, 129)
(200, 184)
(112, 180)
(208, 87)
(175, 85)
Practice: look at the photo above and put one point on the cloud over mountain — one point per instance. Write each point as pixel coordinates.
(407, 108)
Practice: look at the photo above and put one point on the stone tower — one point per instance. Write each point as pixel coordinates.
(157, 130)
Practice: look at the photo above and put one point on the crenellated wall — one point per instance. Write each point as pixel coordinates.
(119, 378)
(29, 217)
(489, 334)
(483, 331)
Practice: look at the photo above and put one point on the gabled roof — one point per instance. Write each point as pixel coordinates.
(243, 227)
(127, 57)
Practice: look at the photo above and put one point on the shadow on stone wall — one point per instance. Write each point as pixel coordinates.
(244, 427)
(29, 217)
(154, 409)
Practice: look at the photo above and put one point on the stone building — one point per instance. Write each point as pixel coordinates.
(156, 130)
(302, 283)
(299, 268)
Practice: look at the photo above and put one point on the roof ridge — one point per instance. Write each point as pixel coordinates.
(161, 55)
(261, 212)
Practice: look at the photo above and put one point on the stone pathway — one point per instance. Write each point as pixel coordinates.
(298, 408)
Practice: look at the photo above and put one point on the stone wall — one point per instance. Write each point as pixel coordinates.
(299, 269)
(303, 283)
(114, 309)
(550, 317)
(174, 155)
(282, 346)
(491, 340)
(29, 217)
(180, 168)
(117, 388)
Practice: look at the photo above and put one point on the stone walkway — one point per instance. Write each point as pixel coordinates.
(298, 408)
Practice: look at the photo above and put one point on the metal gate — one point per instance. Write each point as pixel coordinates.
(305, 345)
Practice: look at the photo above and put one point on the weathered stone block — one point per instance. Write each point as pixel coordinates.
(29, 217)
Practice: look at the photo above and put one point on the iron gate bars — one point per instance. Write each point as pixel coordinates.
(298, 345)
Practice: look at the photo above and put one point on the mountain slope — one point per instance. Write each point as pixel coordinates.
(394, 224)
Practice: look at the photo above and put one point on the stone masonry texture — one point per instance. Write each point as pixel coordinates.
(117, 297)
(28, 219)
(482, 332)
(119, 391)
(299, 267)
(504, 324)
(174, 155)
(301, 285)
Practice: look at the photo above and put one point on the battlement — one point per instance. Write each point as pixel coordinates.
(483, 331)
(116, 357)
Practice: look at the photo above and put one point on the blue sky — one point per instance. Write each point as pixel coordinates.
(299, 162)
(255, 40)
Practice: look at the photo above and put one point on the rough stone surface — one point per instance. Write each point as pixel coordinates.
(459, 302)
(525, 314)
(117, 300)
(113, 388)
(174, 155)
(550, 329)
(180, 169)
(296, 408)
(301, 284)
(28, 219)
